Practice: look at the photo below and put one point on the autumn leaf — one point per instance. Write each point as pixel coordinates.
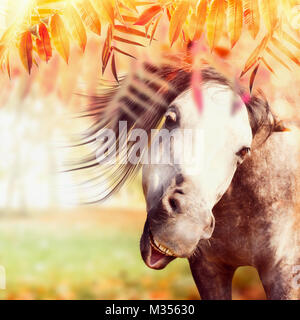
(275, 56)
(252, 16)
(7, 35)
(43, 43)
(215, 22)
(197, 22)
(187, 20)
(147, 27)
(7, 63)
(235, 20)
(123, 52)
(290, 39)
(2, 49)
(177, 20)
(169, 14)
(89, 16)
(129, 30)
(269, 14)
(113, 68)
(107, 49)
(127, 19)
(256, 55)
(154, 28)
(122, 12)
(76, 26)
(285, 51)
(253, 76)
(264, 61)
(148, 15)
(2, 55)
(109, 10)
(25, 50)
(128, 41)
(131, 4)
(60, 37)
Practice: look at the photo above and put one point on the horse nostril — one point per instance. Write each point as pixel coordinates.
(178, 191)
(173, 203)
(179, 179)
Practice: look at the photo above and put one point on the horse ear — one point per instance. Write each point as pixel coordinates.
(258, 110)
(261, 116)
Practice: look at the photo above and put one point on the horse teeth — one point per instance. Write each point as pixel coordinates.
(169, 252)
(161, 248)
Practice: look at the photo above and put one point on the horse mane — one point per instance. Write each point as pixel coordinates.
(141, 99)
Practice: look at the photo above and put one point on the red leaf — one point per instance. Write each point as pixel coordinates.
(25, 50)
(128, 30)
(147, 15)
(43, 43)
(113, 67)
(127, 41)
(123, 52)
(8, 66)
(107, 49)
(256, 55)
(155, 27)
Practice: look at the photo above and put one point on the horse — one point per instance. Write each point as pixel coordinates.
(239, 208)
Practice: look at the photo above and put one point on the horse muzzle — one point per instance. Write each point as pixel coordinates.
(168, 237)
(155, 255)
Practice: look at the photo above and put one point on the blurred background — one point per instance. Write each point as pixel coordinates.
(52, 246)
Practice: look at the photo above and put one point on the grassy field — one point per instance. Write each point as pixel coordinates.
(92, 254)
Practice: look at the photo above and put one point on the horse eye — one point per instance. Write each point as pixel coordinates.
(243, 152)
(171, 119)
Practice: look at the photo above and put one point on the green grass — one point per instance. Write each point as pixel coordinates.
(86, 263)
(52, 259)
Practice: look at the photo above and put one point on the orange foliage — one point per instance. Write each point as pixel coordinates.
(53, 24)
